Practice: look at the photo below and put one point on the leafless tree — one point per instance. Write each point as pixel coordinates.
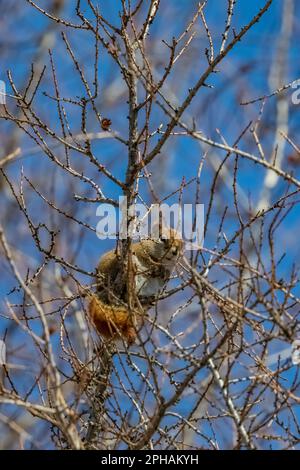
(127, 100)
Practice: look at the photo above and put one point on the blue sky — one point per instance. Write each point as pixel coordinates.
(216, 108)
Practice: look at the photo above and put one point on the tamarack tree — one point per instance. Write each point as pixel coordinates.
(124, 100)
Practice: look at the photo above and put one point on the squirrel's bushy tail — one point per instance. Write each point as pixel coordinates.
(111, 321)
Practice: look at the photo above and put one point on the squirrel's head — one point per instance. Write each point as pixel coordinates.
(168, 247)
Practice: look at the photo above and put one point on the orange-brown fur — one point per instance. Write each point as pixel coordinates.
(112, 321)
(154, 262)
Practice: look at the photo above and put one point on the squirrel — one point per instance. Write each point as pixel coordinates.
(153, 261)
